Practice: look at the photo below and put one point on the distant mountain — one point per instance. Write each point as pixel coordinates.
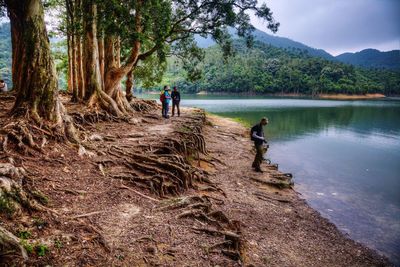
(369, 58)
(287, 43)
(372, 58)
(280, 42)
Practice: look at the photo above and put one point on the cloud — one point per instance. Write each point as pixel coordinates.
(338, 25)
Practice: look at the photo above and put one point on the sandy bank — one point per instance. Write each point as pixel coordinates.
(351, 97)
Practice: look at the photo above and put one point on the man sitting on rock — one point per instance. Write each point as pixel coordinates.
(257, 135)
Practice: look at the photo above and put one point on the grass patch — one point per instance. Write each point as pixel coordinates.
(24, 234)
(41, 250)
(39, 196)
(7, 205)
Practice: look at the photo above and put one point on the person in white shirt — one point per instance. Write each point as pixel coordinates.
(3, 86)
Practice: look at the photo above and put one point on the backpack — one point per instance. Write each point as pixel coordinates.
(162, 97)
(251, 133)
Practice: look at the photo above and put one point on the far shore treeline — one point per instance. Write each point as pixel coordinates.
(262, 69)
(265, 69)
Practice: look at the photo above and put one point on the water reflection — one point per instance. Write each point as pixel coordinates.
(344, 155)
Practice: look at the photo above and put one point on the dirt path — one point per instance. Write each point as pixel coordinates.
(103, 217)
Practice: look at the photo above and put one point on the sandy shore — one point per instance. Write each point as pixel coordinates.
(351, 97)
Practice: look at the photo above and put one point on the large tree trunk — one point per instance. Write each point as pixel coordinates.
(79, 56)
(75, 93)
(90, 50)
(34, 73)
(94, 93)
(101, 59)
(129, 86)
(81, 82)
(114, 71)
(70, 64)
(107, 95)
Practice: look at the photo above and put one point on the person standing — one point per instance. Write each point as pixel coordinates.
(3, 86)
(257, 135)
(176, 98)
(165, 99)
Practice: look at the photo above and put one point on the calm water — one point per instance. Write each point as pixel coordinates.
(345, 157)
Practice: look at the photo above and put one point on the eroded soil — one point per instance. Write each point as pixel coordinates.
(99, 216)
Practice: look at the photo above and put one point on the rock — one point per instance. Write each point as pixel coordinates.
(82, 152)
(9, 170)
(96, 137)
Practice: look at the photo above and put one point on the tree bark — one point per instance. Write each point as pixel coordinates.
(75, 94)
(80, 73)
(90, 50)
(101, 59)
(34, 73)
(93, 85)
(69, 72)
(129, 86)
(81, 82)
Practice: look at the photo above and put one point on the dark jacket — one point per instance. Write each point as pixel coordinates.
(259, 132)
(176, 96)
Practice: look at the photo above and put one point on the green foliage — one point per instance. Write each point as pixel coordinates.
(265, 69)
(5, 54)
(41, 250)
(27, 246)
(39, 196)
(7, 205)
(58, 243)
(24, 234)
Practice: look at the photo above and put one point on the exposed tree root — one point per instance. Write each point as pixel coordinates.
(11, 249)
(163, 168)
(200, 208)
(16, 191)
(264, 196)
(143, 105)
(31, 134)
(275, 183)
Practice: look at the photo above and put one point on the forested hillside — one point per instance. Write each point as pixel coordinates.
(265, 69)
(372, 58)
(276, 41)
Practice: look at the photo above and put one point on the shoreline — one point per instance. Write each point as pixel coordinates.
(169, 192)
(302, 204)
(293, 95)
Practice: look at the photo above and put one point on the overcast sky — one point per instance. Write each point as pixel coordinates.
(338, 26)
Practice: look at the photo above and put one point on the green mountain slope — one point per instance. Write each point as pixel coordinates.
(372, 58)
(265, 69)
(280, 42)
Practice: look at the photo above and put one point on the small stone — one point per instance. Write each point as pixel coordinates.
(95, 137)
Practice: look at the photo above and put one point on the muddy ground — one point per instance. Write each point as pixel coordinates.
(100, 213)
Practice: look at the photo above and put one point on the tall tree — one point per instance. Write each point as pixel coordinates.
(150, 27)
(33, 70)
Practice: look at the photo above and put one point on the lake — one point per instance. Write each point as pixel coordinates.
(344, 155)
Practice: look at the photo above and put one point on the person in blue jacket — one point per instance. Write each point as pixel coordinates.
(165, 99)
